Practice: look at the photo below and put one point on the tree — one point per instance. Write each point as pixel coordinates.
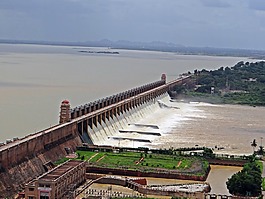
(246, 182)
(208, 153)
(247, 78)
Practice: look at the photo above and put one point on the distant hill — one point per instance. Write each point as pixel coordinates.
(154, 46)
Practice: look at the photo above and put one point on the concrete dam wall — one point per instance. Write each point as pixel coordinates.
(107, 130)
(23, 159)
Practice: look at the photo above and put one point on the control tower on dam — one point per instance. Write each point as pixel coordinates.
(23, 159)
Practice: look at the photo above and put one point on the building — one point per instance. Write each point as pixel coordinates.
(57, 183)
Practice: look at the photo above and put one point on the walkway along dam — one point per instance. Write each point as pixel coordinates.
(23, 159)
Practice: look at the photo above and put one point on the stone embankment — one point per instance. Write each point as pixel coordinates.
(227, 162)
(158, 174)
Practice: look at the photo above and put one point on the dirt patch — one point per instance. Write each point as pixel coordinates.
(179, 163)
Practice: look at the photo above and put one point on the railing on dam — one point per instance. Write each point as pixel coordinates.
(123, 101)
(93, 117)
(149, 91)
(102, 103)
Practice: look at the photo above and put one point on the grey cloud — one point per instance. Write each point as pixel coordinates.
(257, 4)
(37, 7)
(188, 22)
(216, 3)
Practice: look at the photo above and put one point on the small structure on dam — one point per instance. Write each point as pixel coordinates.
(65, 115)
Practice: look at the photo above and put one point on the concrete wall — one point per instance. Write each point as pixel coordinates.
(28, 158)
(228, 162)
(114, 99)
(91, 169)
(30, 146)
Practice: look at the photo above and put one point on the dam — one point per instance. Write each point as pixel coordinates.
(23, 159)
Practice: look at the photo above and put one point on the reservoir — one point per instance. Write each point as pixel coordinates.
(34, 79)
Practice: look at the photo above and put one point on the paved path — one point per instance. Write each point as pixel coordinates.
(92, 157)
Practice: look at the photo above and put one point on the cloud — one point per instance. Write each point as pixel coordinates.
(215, 3)
(188, 22)
(257, 5)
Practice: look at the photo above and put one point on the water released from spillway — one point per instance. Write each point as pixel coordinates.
(165, 123)
(132, 128)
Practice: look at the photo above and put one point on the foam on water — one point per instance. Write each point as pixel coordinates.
(165, 114)
(182, 124)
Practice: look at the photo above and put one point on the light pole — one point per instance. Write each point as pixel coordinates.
(261, 147)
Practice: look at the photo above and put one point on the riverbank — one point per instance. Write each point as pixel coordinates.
(243, 83)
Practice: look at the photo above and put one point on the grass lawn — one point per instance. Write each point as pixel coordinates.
(136, 160)
(142, 161)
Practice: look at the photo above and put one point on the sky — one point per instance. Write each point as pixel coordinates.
(198, 23)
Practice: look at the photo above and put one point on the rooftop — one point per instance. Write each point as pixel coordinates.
(60, 170)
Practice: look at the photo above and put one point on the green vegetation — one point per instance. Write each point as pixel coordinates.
(263, 184)
(61, 161)
(263, 179)
(189, 161)
(145, 162)
(243, 83)
(246, 182)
